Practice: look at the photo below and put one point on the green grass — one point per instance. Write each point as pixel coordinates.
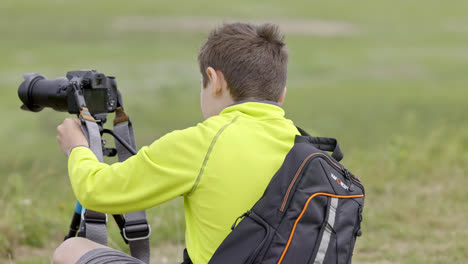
(393, 92)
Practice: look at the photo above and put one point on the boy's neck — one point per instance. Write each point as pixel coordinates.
(255, 101)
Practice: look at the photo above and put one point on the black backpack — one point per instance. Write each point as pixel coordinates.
(310, 212)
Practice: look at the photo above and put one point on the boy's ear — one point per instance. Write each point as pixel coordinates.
(210, 72)
(217, 81)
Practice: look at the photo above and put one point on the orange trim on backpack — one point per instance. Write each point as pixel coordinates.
(303, 211)
(285, 199)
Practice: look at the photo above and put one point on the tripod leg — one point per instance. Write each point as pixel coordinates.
(75, 223)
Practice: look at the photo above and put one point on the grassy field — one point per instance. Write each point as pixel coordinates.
(387, 78)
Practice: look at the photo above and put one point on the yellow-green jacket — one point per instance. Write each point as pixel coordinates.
(221, 167)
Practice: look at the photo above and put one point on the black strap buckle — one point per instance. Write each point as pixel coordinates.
(90, 216)
(136, 231)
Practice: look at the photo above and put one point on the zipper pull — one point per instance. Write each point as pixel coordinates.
(349, 175)
(242, 216)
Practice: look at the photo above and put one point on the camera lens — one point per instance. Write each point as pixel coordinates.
(36, 92)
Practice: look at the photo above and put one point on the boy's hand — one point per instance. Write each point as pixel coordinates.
(69, 135)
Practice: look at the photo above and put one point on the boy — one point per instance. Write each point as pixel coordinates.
(221, 166)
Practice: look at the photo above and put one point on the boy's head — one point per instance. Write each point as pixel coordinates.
(246, 61)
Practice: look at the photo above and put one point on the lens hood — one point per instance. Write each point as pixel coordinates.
(25, 90)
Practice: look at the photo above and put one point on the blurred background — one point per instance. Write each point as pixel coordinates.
(388, 79)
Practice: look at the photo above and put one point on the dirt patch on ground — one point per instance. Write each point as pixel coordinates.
(204, 24)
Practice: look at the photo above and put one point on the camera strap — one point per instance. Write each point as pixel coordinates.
(91, 130)
(136, 229)
(93, 224)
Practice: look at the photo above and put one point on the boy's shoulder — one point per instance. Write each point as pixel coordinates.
(244, 118)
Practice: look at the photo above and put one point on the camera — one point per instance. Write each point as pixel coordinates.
(99, 92)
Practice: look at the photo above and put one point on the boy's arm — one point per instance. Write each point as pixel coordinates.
(166, 169)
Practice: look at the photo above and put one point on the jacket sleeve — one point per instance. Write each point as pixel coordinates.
(160, 172)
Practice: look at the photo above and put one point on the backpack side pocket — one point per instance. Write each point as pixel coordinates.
(244, 243)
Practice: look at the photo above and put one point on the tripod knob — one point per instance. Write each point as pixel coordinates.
(109, 152)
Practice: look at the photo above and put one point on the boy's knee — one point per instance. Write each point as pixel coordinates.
(60, 254)
(72, 249)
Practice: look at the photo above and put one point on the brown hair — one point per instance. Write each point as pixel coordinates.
(253, 59)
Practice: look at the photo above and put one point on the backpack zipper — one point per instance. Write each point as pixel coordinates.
(242, 216)
(347, 174)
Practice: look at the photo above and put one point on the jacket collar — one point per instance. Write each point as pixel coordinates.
(255, 109)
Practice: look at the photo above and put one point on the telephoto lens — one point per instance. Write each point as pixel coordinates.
(36, 92)
(79, 89)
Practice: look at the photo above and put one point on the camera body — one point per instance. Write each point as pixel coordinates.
(99, 92)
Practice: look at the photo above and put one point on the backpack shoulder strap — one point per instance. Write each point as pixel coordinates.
(322, 143)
